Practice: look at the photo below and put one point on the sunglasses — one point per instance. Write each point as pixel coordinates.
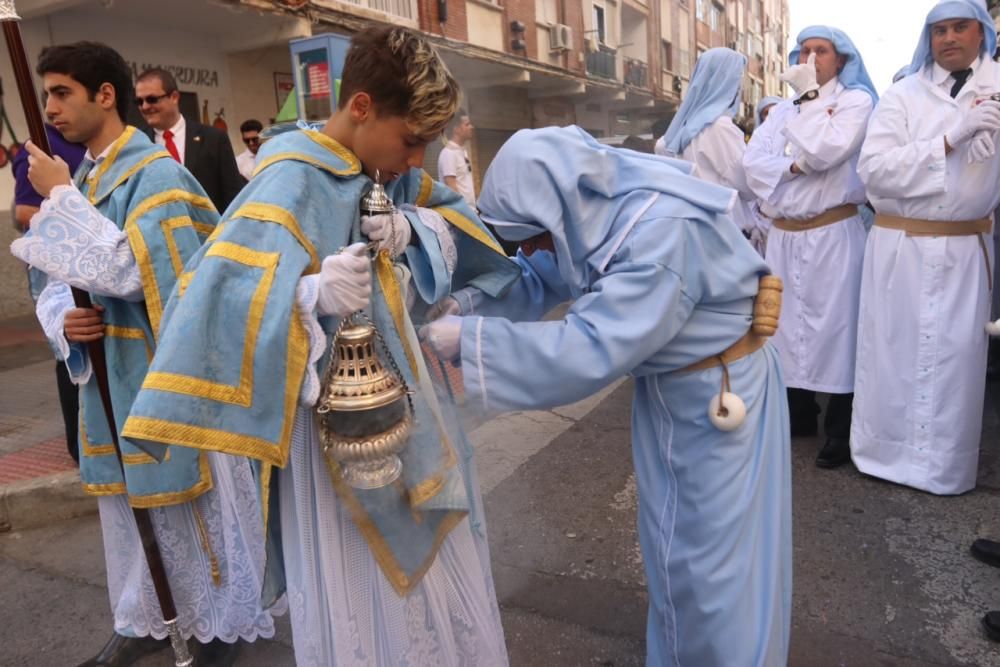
(251, 140)
(149, 99)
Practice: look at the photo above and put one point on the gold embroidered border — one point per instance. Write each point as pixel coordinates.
(394, 300)
(468, 227)
(203, 484)
(134, 169)
(129, 333)
(150, 288)
(103, 449)
(102, 169)
(203, 228)
(265, 491)
(426, 189)
(242, 393)
(114, 489)
(285, 218)
(338, 149)
(169, 225)
(183, 282)
(142, 458)
(267, 451)
(401, 582)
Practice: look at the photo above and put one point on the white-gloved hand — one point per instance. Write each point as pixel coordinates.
(984, 116)
(444, 336)
(446, 306)
(982, 147)
(391, 231)
(993, 328)
(345, 282)
(802, 78)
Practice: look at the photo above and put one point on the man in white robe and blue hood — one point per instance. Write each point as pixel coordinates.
(664, 286)
(930, 164)
(801, 163)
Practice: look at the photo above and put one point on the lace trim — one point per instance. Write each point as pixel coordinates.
(306, 296)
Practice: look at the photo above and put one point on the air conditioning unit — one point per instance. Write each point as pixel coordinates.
(560, 37)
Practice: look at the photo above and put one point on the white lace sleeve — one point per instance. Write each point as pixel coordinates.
(53, 304)
(306, 294)
(71, 241)
(433, 221)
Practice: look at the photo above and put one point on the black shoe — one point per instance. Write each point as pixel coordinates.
(991, 624)
(836, 452)
(216, 653)
(121, 651)
(986, 551)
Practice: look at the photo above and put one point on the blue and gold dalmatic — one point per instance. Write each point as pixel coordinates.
(166, 216)
(231, 362)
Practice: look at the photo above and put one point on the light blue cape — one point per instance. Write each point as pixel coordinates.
(854, 75)
(714, 91)
(766, 102)
(954, 9)
(563, 181)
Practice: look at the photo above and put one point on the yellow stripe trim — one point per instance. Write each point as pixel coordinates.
(283, 217)
(394, 300)
(116, 148)
(203, 484)
(88, 449)
(242, 393)
(136, 167)
(169, 225)
(426, 189)
(143, 459)
(203, 229)
(150, 288)
(469, 228)
(129, 333)
(338, 149)
(353, 170)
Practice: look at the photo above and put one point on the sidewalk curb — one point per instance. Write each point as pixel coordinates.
(39, 501)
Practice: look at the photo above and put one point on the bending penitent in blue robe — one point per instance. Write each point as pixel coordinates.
(662, 278)
(237, 371)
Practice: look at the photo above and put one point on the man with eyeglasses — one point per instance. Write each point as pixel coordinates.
(204, 150)
(250, 132)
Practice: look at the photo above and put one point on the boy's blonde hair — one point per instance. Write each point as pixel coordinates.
(404, 75)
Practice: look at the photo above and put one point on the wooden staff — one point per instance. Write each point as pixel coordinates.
(95, 349)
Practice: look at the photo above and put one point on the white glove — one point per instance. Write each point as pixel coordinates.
(446, 306)
(984, 116)
(444, 336)
(802, 77)
(982, 147)
(993, 328)
(390, 230)
(345, 282)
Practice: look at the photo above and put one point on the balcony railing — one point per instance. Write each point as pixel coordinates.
(636, 73)
(602, 63)
(406, 9)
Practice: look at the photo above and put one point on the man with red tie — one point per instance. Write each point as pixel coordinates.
(204, 150)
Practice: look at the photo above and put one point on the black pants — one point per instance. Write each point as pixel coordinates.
(803, 408)
(69, 401)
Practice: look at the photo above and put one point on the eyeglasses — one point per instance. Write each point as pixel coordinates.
(149, 99)
(251, 140)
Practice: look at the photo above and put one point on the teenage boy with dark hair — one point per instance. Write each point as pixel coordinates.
(397, 575)
(122, 230)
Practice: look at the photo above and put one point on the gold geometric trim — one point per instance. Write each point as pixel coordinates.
(338, 149)
(150, 288)
(285, 218)
(426, 189)
(183, 282)
(242, 393)
(107, 162)
(129, 333)
(203, 484)
(467, 226)
(136, 167)
(143, 458)
(204, 229)
(169, 226)
(308, 159)
(103, 449)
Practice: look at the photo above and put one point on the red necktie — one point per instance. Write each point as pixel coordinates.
(168, 141)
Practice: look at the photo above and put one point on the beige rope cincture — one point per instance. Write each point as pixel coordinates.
(723, 411)
(213, 561)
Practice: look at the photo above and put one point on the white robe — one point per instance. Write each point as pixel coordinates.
(343, 609)
(717, 156)
(821, 268)
(922, 348)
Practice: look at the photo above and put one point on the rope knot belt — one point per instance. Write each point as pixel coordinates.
(828, 217)
(913, 227)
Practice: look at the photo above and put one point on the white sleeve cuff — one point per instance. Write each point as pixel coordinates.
(71, 241)
(53, 304)
(306, 295)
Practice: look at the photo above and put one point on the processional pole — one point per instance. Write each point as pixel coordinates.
(95, 349)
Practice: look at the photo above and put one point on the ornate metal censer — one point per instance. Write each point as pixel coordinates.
(366, 410)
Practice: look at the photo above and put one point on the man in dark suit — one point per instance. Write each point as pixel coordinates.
(204, 150)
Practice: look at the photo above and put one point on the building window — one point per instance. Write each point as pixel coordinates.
(684, 62)
(715, 16)
(666, 56)
(699, 9)
(599, 25)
